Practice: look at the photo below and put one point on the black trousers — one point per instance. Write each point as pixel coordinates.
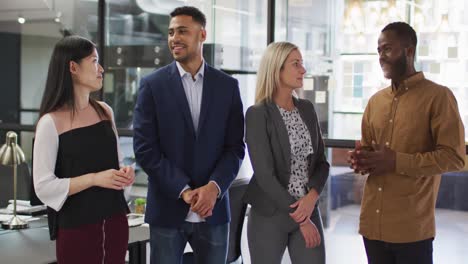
(380, 252)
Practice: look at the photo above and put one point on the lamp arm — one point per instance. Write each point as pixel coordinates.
(14, 186)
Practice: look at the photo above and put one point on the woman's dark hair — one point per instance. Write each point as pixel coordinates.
(59, 86)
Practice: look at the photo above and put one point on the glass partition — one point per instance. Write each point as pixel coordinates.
(28, 33)
(136, 45)
(441, 29)
(308, 24)
(338, 40)
(240, 29)
(342, 240)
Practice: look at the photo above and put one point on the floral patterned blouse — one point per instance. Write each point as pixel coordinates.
(301, 148)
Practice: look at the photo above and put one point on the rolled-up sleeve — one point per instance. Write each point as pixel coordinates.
(50, 189)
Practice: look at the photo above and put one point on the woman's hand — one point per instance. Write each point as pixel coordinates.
(310, 233)
(129, 174)
(110, 179)
(304, 206)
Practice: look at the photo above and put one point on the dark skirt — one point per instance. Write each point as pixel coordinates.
(102, 242)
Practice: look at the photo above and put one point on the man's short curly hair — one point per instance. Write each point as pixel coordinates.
(405, 32)
(194, 12)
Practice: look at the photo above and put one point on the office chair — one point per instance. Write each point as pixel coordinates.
(238, 208)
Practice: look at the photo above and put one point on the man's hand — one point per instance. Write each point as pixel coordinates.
(352, 158)
(380, 161)
(206, 199)
(310, 233)
(304, 206)
(188, 196)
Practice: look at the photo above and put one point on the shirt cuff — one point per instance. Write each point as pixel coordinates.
(183, 190)
(219, 189)
(403, 163)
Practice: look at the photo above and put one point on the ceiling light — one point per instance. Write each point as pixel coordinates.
(355, 10)
(444, 25)
(361, 39)
(21, 20)
(57, 17)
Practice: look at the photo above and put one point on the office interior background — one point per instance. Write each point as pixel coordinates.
(338, 41)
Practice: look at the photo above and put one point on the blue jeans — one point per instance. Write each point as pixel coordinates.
(209, 243)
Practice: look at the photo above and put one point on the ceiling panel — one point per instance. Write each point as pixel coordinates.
(15, 5)
(30, 9)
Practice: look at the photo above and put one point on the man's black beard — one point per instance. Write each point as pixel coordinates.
(399, 66)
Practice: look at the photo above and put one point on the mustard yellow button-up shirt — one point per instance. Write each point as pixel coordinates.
(419, 121)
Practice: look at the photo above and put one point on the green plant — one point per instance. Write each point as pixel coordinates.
(140, 201)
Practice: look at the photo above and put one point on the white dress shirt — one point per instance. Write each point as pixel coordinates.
(193, 88)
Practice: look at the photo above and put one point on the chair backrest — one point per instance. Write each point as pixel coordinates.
(238, 208)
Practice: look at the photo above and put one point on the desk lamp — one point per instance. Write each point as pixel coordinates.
(12, 155)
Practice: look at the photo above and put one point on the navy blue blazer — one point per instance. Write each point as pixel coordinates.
(174, 155)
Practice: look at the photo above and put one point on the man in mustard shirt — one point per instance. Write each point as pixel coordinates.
(411, 133)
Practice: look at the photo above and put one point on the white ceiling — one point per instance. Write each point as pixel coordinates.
(30, 9)
(39, 15)
(25, 4)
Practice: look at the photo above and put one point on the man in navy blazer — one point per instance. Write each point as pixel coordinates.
(188, 137)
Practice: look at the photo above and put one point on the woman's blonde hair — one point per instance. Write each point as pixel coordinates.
(268, 75)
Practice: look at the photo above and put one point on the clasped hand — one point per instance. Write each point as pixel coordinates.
(304, 209)
(375, 161)
(115, 179)
(202, 200)
(310, 233)
(304, 206)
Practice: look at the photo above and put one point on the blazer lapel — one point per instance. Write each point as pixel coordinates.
(280, 127)
(208, 86)
(177, 87)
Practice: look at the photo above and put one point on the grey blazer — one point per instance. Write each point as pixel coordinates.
(270, 155)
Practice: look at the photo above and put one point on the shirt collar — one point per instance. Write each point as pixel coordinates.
(410, 82)
(200, 72)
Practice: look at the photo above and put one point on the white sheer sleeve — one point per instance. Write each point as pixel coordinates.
(50, 189)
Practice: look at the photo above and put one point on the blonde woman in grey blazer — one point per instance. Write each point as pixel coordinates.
(290, 169)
